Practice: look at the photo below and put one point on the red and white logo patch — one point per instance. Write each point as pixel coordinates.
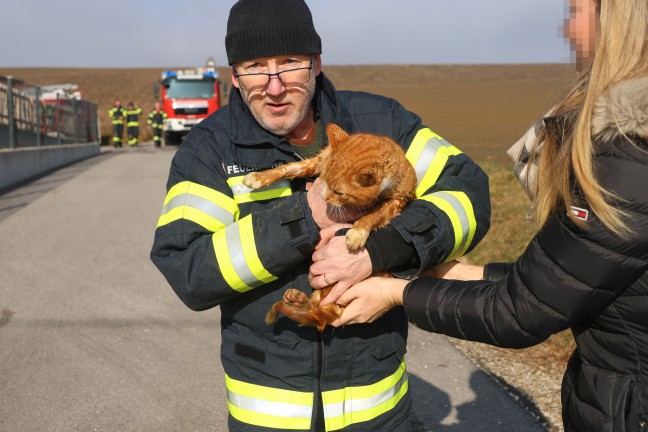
(580, 213)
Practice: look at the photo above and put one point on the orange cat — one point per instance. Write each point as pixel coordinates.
(361, 170)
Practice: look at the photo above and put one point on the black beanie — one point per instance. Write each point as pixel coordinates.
(265, 28)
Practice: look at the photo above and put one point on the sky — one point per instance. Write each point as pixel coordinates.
(165, 33)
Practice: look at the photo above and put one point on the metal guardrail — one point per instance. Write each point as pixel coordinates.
(27, 121)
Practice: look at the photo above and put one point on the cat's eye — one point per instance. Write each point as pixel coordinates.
(337, 192)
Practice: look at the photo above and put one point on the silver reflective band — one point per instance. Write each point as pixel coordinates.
(241, 189)
(205, 206)
(427, 156)
(233, 236)
(460, 210)
(355, 405)
(261, 406)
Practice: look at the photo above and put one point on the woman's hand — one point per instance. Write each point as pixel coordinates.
(369, 300)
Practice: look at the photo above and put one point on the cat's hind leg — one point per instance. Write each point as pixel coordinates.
(295, 304)
(302, 309)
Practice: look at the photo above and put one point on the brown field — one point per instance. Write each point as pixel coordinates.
(480, 109)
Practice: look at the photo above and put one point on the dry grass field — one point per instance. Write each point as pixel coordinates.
(480, 109)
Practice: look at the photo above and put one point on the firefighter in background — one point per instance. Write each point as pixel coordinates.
(132, 123)
(117, 114)
(156, 120)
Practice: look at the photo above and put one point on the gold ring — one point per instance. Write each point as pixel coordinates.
(327, 282)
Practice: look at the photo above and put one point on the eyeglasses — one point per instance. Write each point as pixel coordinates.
(291, 77)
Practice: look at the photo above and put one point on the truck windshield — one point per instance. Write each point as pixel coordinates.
(194, 89)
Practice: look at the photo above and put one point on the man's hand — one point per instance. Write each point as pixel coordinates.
(334, 265)
(324, 214)
(370, 299)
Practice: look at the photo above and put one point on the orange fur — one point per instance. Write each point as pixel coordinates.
(359, 170)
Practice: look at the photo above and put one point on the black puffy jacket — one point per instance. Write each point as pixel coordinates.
(586, 279)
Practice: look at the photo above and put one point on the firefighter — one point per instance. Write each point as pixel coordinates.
(219, 243)
(117, 114)
(156, 120)
(132, 123)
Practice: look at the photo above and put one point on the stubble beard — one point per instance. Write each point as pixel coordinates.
(287, 125)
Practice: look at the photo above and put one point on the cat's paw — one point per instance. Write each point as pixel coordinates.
(356, 239)
(295, 298)
(254, 180)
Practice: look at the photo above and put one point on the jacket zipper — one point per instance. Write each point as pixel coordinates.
(319, 404)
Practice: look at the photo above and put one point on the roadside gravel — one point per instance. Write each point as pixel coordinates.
(536, 385)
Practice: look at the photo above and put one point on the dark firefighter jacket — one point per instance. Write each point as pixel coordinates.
(132, 116)
(117, 115)
(156, 119)
(584, 278)
(219, 243)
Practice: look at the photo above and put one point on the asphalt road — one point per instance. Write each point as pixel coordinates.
(92, 338)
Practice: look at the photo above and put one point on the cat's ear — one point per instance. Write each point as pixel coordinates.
(335, 134)
(366, 179)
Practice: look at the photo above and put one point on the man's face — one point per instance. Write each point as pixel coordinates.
(277, 108)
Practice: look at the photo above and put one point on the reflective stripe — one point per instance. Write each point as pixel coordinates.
(207, 207)
(428, 155)
(132, 123)
(243, 194)
(237, 256)
(462, 217)
(363, 403)
(269, 407)
(286, 409)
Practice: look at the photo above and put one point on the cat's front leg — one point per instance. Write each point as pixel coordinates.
(356, 238)
(257, 180)
(381, 215)
(305, 168)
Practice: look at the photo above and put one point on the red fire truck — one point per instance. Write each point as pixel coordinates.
(187, 96)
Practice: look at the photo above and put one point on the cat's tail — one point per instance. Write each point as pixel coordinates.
(273, 313)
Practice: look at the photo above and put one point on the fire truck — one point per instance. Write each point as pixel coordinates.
(187, 96)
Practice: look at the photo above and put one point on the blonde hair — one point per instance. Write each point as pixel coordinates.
(621, 54)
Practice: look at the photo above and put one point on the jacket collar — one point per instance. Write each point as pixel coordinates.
(622, 110)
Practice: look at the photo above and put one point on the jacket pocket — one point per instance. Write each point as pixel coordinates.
(596, 399)
(590, 399)
(630, 415)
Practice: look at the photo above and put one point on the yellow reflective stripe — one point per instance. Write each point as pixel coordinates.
(268, 420)
(457, 206)
(205, 206)
(351, 405)
(290, 410)
(269, 393)
(250, 251)
(428, 154)
(236, 254)
(243, 194)
(269, 407)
